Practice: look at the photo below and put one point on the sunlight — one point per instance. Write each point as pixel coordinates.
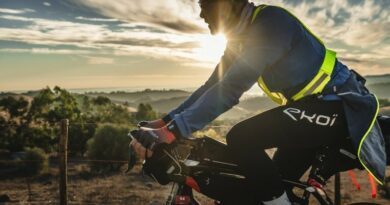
(211, 48)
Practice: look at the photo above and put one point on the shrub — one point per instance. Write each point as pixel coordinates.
(35, 161)
(145, 112)
(110, 143)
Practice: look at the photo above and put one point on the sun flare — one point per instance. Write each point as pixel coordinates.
(210, 48)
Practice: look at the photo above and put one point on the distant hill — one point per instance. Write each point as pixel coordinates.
(377, 79)
(246, 107)
(379, 84)
(145, 96)
(166, 105)
(165, 100)
(382, 90)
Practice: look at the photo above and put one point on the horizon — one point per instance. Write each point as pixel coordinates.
(252, 91)
(91, 44)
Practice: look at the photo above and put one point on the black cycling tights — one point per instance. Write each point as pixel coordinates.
(297, 130)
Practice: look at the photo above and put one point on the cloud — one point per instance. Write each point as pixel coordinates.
(46, 4)
(45, 51)
(96, 19)
(101, 38)
(178, 15)
(171, 29)
(358, 23)
(15, 11)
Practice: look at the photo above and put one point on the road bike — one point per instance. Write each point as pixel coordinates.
(205, 165)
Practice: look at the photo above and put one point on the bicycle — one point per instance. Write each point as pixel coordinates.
(203, 164)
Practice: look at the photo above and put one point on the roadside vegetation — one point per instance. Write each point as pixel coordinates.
(29, 128)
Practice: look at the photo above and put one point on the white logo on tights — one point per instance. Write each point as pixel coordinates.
(323, 120)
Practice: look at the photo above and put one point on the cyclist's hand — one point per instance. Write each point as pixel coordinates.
(155, 124)
(140, 150)
(147, 139)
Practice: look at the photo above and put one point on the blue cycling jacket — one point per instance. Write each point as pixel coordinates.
(278, 48)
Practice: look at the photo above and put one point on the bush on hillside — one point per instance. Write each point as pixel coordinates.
(145, 112)
(110, 143)
(35, 161)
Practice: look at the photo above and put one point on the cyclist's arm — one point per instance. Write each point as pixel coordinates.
(267, 44)
(219, 71)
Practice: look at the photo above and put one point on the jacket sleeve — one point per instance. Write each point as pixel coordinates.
(269, 39)
(219, 71)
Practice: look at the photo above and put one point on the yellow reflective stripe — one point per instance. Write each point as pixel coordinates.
(321, 79)
(317, 84)
(329, 61)
(364, 138)
(257, 11)
(276, 97)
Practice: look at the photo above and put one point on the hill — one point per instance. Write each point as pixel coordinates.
(375, 79)
(379, 84)
(165, 100)
(382, 90)
(145, 96)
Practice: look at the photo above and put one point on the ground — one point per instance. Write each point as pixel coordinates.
(130, 189)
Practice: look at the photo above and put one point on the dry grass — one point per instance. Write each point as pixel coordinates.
(129, 189)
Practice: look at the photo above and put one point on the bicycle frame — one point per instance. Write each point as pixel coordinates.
(186, 165)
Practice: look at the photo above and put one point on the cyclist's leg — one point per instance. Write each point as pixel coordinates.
(293, 162)
(302, 124)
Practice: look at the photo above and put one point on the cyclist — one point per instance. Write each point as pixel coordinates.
(322, 102)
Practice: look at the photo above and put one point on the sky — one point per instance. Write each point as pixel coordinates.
(159, 44)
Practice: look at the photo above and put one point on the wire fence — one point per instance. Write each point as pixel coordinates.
(47, 187)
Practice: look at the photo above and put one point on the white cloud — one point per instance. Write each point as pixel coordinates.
(15, 11)
(45, 51)
(361, 31)
(179, 47)
(179, 15)
(363, 25)
(46, 4)
(96, 19)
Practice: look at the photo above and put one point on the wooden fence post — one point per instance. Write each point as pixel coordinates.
(63, 157)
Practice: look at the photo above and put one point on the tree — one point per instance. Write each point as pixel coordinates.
(40, 104)
(15, 107)
(86, 104)
(79, 134)
(53, 106)
(101, 100)
(145, 112)
(109, 143)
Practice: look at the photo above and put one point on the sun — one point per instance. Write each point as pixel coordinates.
(210, 48)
